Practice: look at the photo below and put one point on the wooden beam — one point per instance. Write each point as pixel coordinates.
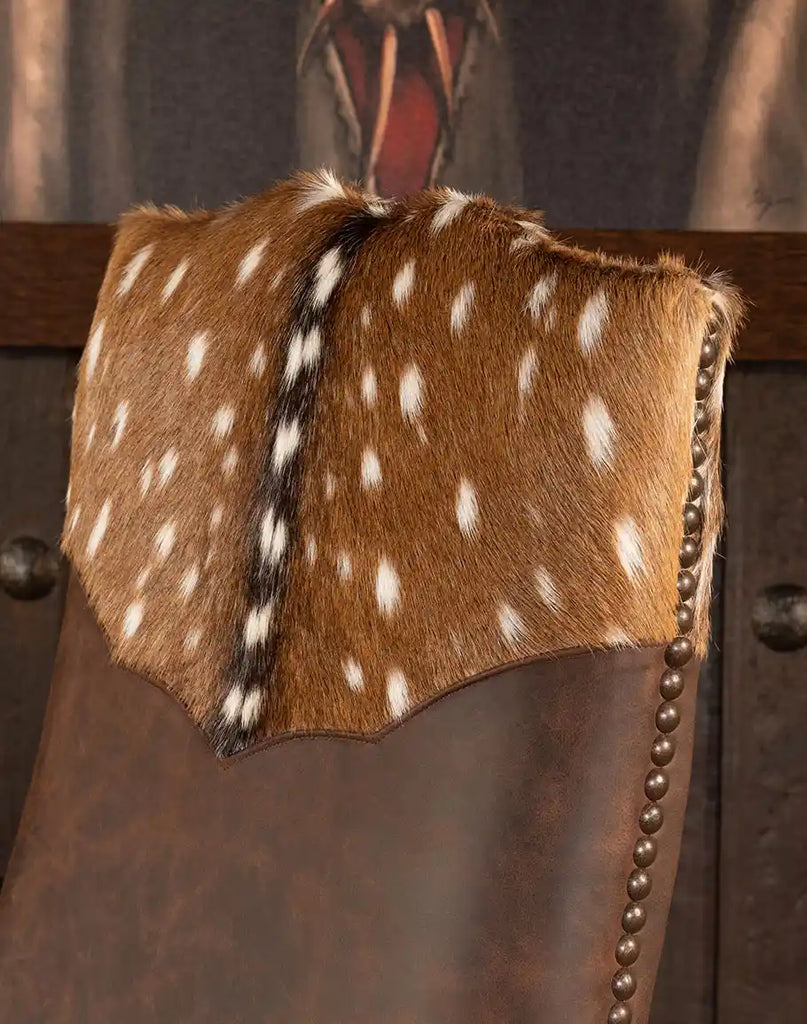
(50, 275)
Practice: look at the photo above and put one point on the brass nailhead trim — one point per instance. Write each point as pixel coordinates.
(677, 654)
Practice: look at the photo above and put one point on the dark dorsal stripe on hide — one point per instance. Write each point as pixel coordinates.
(272, 526)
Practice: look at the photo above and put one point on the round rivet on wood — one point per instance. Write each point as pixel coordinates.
(29, 569)
(651, 819)
(692, 518)
(639, 884)
(663, 751)
(627, 950)
(623, 984)
(620, 1013)
(686, 584)
(656, 784)
(644, 851)
(688, 552)
(678, 652)
(668, 717)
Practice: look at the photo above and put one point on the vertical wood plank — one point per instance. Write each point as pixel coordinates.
(763, 849)
(36, 394)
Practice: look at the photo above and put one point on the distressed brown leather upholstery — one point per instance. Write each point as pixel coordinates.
(470, 866)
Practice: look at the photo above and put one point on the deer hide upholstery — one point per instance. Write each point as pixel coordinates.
(334, 456)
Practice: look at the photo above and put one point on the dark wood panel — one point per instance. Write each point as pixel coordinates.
(763, 851)
(36, 389)
(50, 274)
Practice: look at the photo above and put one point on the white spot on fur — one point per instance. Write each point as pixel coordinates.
(216, 517)
(257, 625)
(526, 372)
(377, 207)
(250, 263)
(591, 322)
(99, 529)
(175, 280)
(397, 693)
(146, 474)
(94, 348)
(132, 619)
(330, 485)
(353, 674)
(274, 536)
(302, 351)
(74, 518)
(329, 270)
(231, 708)
(323, 188)
(616, 637)
(467, 508)
(143, 578)
(119, 425)
(542, 291)
(279, 275)
(411, 392)
(223, 421)
(365, 317)
(257, 363)
(197, 347)
(452, 204)
(251, 708)
(403, 283)
(164, 540)
(90, 436)
(370, 470)
(230, 461)
(344, 566)
(168, 465)
(600, 432)
(547, 590)
(461, 306)
(387, 587)
(629, 547)
(286, 442)
(369, 387)
(511, 624)
(189, 580)
(133, 268)
(311, 550)
(192, 639)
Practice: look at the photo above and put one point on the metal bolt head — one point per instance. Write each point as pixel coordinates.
(651, 819)
(662, 751)
(644, 852)
(627, 950)
(623, 984)
(620, 1013)
(656, 784)
(639, 884)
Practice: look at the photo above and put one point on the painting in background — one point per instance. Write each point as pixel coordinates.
(684, 113)
(401, 94)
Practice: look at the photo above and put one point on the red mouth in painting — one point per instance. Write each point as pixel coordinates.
(399, 62)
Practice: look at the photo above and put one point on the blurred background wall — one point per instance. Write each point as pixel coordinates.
(630, 114)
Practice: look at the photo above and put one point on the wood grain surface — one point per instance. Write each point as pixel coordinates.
(50, 275)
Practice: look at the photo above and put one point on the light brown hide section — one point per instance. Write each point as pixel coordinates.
(542, 503)
(143, 360)
(523, 457)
